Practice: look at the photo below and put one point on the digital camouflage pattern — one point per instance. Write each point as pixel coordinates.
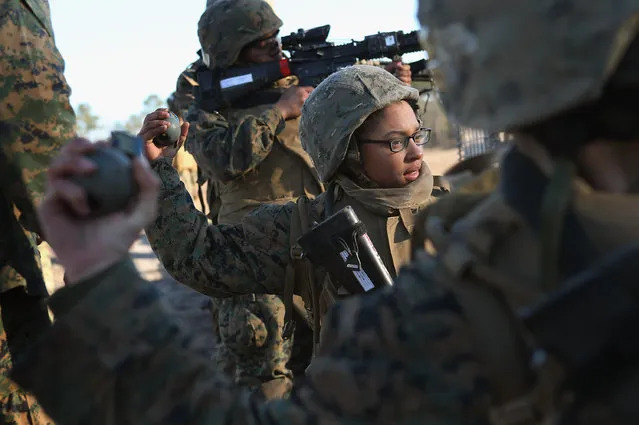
(494, 82)
(247, 20)
(23, 318)
(347, 97)
(391, 371)
(35, 120)
(250, 327)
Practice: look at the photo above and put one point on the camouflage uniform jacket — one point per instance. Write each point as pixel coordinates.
(252, 154)
(35, 120)
(403, 355)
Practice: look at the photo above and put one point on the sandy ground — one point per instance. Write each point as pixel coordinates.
(191, 307)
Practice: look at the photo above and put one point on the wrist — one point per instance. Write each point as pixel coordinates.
(87, 265)
(283, 111)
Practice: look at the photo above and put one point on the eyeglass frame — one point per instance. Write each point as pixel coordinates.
(405, 140)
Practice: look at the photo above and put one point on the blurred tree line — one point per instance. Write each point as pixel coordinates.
(443, 136)
(88, 121)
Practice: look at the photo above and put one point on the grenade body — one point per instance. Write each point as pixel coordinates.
(112, 186)
(172, 134)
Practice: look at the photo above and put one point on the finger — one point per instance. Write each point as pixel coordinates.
(308, 89)
(151, 133)
(158, 114)
(184, 132)
(152, 125)
(145, 208)
(65, 192)
(70, 165)
(77, 145)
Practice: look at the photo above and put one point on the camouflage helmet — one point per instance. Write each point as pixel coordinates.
(531, 60)
(339, 106)
(226, 26)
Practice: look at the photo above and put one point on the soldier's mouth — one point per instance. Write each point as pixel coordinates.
(412, 173)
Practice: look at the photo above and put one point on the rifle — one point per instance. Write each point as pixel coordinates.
(312, 59)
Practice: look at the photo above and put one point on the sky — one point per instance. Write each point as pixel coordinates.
(118, 52)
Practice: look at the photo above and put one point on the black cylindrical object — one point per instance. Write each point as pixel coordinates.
(341, 245)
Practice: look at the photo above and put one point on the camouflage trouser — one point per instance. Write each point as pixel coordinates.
(253, 348)
(23, 318)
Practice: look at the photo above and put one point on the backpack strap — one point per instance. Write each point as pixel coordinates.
(299, 274)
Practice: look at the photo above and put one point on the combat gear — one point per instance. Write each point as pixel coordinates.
(350, 96)
(227, 26)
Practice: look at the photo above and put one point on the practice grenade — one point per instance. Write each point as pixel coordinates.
(171, 135)
(112, 186)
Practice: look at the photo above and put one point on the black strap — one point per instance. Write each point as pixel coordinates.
(523, 186)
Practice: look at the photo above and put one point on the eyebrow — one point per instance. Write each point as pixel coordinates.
(401, 132)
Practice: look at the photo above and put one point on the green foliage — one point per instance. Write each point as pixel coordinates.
(134, 123)
(86, 120)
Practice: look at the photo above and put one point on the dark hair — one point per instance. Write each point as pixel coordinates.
(613, 116)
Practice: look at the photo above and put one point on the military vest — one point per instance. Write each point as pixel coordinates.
(285, 174)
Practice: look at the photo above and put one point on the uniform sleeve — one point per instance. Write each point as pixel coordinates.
(36, 119)
(227, 150)
(218, 261)
(400, 356)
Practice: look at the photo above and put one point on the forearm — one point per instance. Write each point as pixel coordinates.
(216, 261)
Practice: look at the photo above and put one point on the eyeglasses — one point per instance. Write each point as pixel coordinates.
(264, 41)
(420, 137)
